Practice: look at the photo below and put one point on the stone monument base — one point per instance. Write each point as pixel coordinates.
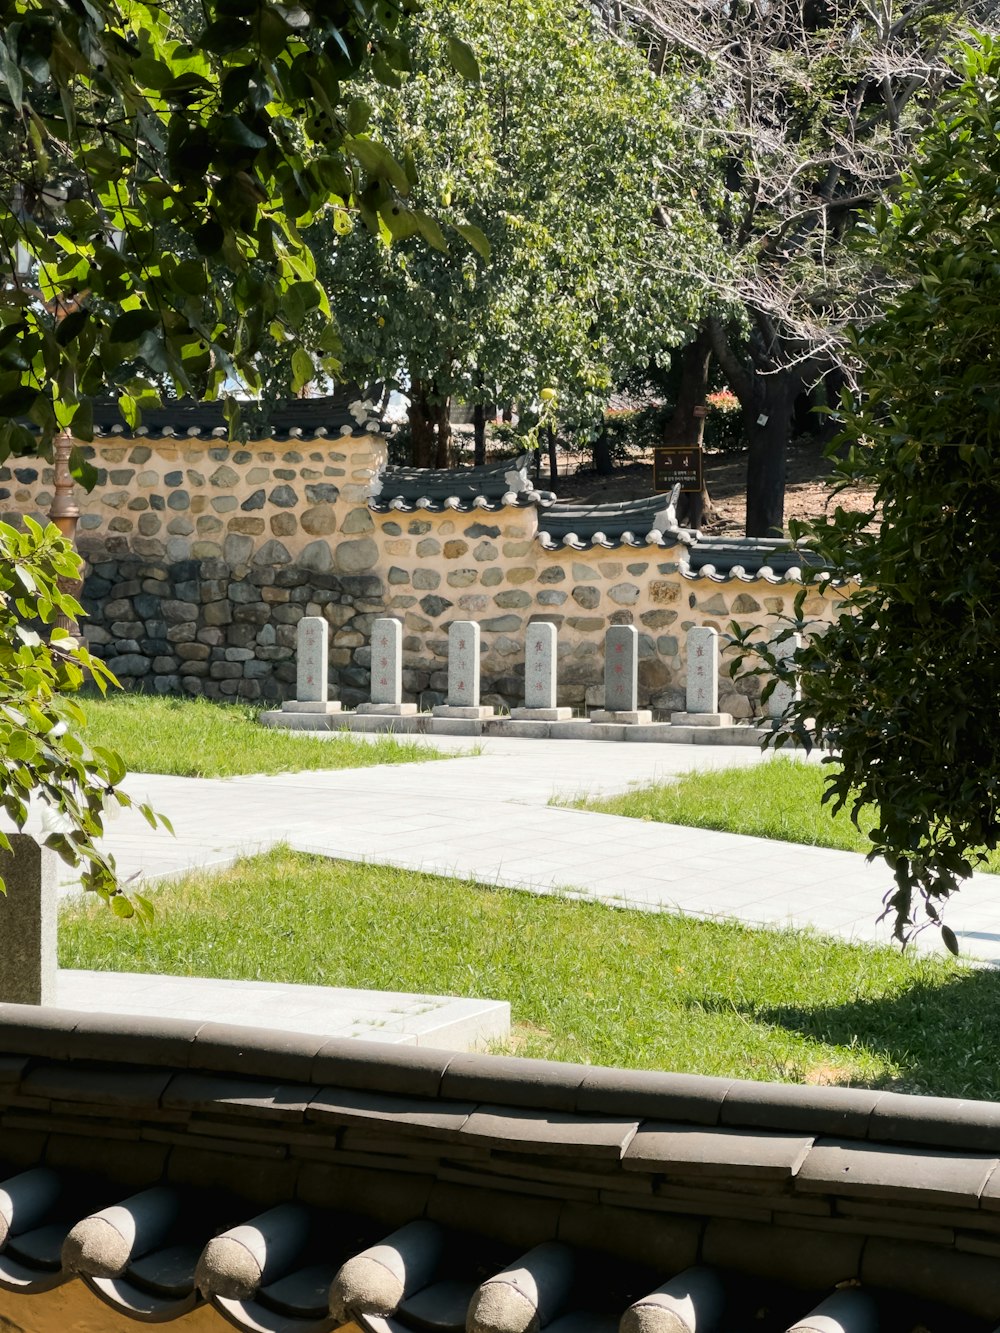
(701, 719)
(630, 718)
(541, 714)
(310, 706)
(387, 710)
(465, 712)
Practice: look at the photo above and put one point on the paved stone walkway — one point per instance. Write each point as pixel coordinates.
(486, 816)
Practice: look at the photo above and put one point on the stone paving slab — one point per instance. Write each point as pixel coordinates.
(486, 816)
(442, 1021)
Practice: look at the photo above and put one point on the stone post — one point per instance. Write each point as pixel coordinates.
(782, 695)
(387, 671)
(702, 681)
(28, 923)
(621, 678)
(312, 686)
(540, 656)
(463, 674)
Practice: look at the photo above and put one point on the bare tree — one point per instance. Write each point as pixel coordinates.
(814, 106)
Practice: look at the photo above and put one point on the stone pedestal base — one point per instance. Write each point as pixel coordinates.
(701, 719)
(465, 713)
(310, 706)
(638, 717)
(541, 714)
(387, 710)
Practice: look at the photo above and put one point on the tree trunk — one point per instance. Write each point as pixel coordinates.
(423, 442)
(443, 414)
(479, 434)
(553, 452)
(602, 452)
(686, 426)
(768, 422)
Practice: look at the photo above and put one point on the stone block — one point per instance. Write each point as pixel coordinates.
(309, 706)
(312, 647)
(463, 664)
(703, 670)
(28, 914)
(628, 717)
(701, 719)
(386, 710)
(387, 662)
(464, 713)
(541, 714)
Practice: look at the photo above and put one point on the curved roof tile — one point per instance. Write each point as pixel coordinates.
(298, 1182)
(491, 487)
(348, 411)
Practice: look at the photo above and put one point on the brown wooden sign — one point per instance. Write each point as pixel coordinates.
(675, 465)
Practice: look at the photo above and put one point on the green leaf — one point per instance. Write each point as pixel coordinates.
(132, 325)
(377, 162)
(476, 238)
(303, 370)
(463, 59)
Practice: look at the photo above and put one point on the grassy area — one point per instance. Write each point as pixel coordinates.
(194, 738)
(781, 799)
(585, 981)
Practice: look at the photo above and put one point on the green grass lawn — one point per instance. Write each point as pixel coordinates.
(194, 738)
(780, 799)
(585, 981)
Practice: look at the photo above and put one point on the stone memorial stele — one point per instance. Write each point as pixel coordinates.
(702, 681)
(387, 671)
(311, 658)
(463, 674)
(621, 678)
(28, 922)
(782, 695)
(540, 657)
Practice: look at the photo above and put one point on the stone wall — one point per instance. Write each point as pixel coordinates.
(203, 556)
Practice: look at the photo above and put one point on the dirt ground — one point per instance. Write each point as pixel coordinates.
(807, 495)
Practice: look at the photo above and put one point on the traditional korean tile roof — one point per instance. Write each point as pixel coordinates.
(349, 411)
(494, 486)
(649, 521)
(297, 1182)
(746, 560)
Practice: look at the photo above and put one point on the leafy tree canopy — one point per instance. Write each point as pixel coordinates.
(904, 685)
(568, 168)
(817, 106)
(159, 165)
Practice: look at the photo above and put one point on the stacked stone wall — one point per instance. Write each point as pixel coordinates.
(203, 556)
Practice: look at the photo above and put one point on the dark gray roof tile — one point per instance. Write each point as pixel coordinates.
(233, 1096)
(343, 1106)
(494, 1213)
(27, 1029)
(966, 1282)
(134, 1038)
(122, 1088)
(942, 1121)
(693, 1098)
(440, 1308)
(657, 1240)
(11, 1068)
(901, 1174)
(551, 1132)
(390, 1197)
(408, 1070)
(845, 1112)
(230, 1049)
(512, 1081)
(680, 1150)
(812, 1259)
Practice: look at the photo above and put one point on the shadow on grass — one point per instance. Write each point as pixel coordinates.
(943, 1037)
